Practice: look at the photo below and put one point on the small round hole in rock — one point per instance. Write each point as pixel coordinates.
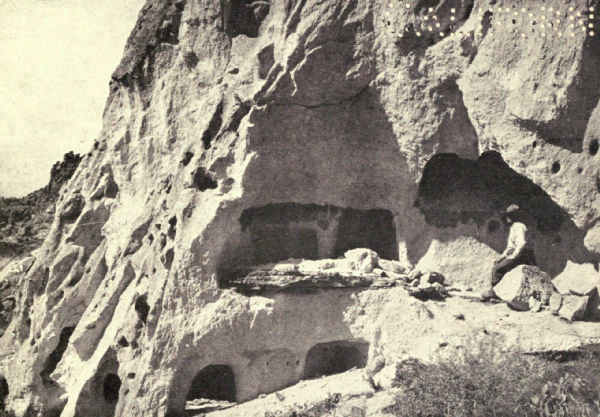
(555, 167)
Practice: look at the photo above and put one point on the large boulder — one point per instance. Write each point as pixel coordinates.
(578, 279)
(522, 283)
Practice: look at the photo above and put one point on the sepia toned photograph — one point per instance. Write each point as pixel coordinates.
(299, 208)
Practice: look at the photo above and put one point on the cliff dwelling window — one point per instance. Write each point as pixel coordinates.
(214, 382)
(334, 358)
(373, 229)
(111, 387)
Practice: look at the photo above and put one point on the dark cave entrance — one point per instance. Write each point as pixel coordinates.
(309, 231)
(244, 17)
(214, 382)
(334, 358)
(455, 190)
(277, 243)
(372, 229)
(101, 393)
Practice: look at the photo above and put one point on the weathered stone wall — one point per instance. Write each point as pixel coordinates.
(220, 107)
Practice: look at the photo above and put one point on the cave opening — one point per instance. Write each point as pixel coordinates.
(372, 229)
(334, 358)
(309, 231)
(100, 393)
(456, 190)
(244, 17)
(142, 308)
(214, 382)
(276, 243)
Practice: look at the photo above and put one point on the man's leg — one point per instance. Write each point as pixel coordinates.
(500, 267)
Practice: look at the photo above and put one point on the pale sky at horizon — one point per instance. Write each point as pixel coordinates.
(56, 58)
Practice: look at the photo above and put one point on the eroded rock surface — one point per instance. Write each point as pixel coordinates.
(242, 133)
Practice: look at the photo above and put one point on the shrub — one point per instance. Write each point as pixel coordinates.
(484, 381)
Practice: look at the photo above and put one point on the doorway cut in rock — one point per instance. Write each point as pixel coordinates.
(214, 382)
(372, 229)
(334, 358)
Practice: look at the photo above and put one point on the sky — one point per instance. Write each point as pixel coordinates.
(56, 58)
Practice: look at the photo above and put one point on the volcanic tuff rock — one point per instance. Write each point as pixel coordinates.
(240, 133)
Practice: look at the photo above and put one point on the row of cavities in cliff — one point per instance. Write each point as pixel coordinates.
(229, 121)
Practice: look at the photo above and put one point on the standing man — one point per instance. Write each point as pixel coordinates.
(519, 248)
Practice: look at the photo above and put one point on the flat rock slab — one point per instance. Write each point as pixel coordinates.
(273, 282)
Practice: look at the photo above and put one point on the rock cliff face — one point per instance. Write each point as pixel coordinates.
(24, 222)
(245, 132)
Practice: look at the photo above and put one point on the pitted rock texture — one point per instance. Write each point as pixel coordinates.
(234, 129)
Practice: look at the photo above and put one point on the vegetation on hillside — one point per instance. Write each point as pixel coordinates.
(484, 381)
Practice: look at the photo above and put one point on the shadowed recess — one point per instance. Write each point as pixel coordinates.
(455, 190)
(334, 358)
(215, 382)
(142, 308)
(244, 17)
